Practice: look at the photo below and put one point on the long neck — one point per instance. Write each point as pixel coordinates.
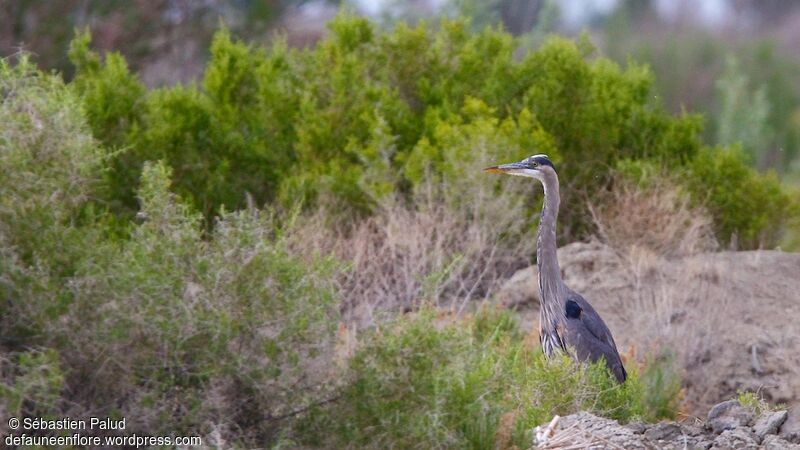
(550, 284)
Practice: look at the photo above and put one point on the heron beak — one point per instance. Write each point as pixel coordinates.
(505, 168)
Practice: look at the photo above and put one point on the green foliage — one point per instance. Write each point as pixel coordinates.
(757, 404)
(755, 100)
(111, 94)
(235, 312)
(30, 384)
(50, 161)
(224, 141)
(473, 139)
(743, 117)
(50, 165)
(367, 113)
(420, 382)
(661, 387)
(749, 209)
(179, 329)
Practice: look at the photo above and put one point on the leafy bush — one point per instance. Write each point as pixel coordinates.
(30, 382)
(756, 403)
(51, 165)
(222, 331)
(432, 382)
(749, 210)
(179, 330)
(743, 117)
(366, 113)
(749, 98)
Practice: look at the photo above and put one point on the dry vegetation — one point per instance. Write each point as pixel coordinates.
(725, 318)
(430, 251)
(667, 313)
(657, 217)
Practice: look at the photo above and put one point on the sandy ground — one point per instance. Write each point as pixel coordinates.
(731, 319)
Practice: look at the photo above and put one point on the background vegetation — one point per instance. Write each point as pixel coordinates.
(191, 249)
(365, 114)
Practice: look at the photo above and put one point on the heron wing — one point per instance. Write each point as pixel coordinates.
(591, 319)
(591, 338)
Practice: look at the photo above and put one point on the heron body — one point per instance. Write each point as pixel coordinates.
(567, 322)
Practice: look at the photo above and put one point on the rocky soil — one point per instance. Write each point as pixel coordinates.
(729, 425)
(730, 320)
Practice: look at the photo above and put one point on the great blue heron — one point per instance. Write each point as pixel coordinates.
(567, 321)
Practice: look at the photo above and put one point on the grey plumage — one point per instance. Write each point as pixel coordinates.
(567, 321)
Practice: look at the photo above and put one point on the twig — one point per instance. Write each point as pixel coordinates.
(542, 436)
(754, 359)
(303, 409)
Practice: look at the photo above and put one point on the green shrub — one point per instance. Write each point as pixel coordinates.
(179, 329)
(225, 140)
(196, 333)
(743, 116)
(51, 166)
(112, 100)
(661, 387)
(469, 383)
(181, 333)
(756, 403)
(364, 113)
(749, 210)
(30, 385)
(50, 162)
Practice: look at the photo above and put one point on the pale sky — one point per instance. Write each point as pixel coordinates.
(576, 13)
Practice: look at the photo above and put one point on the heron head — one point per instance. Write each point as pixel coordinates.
(536, 166)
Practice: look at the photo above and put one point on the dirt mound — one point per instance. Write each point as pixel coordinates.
(729, 425)
(731, 319)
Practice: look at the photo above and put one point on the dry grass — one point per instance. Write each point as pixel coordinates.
(431, 251)
(674, 310)
(648, 226)
(658, 218)
(660, 310)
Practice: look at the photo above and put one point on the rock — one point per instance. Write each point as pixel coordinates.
(727, 416)
(769, 423)
(792, 436)
(664, 432)
(682, 443)
(790, 430)
(671, 435)
(585, 430)
(721, 424)
(692, 430)
(586, 264)
(772, 442)
(740, 437)
(522, 289)
(637, 427)
(721, 408)
(703, 444)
